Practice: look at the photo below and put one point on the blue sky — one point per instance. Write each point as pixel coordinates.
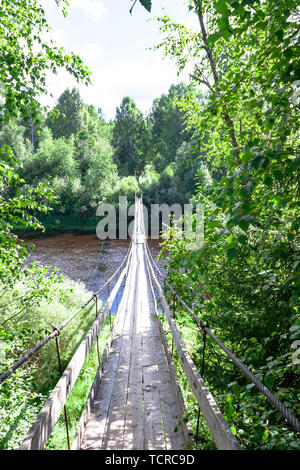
(115, 46)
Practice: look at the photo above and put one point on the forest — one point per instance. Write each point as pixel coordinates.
(86, 160)
(228, 140)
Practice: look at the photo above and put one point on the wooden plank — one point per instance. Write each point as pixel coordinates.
(93, 397)
(94, 401)
(134, 423)
(221, 433)
(153, 426)
(136, 406)
(153, 435)
(96, 428)
(96, 424)
(168, 402)
(114, 435)
(182, 412)
(167, 397)
(179, 439)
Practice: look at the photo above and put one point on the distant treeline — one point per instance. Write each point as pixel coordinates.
(87, 160)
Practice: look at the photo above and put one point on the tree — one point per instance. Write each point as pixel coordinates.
(130, 137)
(168, 125)
(101, 177)
(53, 158)
(26, 58)
(188, 170)
(146, 4)
(245, 54)
(13, 135)
(94, 133)
(70, 118)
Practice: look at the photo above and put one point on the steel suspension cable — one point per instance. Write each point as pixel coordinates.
(58, 329)
(294, 422)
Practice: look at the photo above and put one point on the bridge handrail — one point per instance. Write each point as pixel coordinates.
(293, 421)
(219, 428)
(58, 329)
(42, 427)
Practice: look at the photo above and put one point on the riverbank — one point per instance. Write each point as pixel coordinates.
(63, 223)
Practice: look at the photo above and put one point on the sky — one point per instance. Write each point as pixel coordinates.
(115, 46)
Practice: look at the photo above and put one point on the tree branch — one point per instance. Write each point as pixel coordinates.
(213, 66)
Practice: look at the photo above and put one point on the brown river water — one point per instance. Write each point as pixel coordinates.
(82, 257)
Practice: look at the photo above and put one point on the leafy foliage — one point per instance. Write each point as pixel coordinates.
(27, 57)
(129, 137)
(23, 395)
(70, 114)
(245, 279)
(233, 148)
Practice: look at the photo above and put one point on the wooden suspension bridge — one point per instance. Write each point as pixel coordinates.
(135, 402)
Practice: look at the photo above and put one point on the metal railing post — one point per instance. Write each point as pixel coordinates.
(97, 339)
(61, 372)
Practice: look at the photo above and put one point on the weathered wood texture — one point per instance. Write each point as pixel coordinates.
(188, 433)
(137, 406)
(135, 402)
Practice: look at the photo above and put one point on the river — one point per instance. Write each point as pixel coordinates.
(82, 257)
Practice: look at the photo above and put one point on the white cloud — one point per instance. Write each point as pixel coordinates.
(116, 71)
(89, 52)
(93, 8)
(139, 79)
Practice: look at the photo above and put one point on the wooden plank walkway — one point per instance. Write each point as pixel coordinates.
(136, 405)
(135, 402)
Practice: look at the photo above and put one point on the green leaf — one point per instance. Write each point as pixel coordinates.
(232, 253)
(278, 175)
(222, 8)
(242, 239)
(225, 33)
(147, 4)
(223, 23)
(257, 162)
(269, 380)
(288, 53)
(244, 225)
(245, 190)
(212, 38)
(268, 181)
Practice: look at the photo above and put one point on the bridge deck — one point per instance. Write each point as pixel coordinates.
(135, 402)
(135, 405)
